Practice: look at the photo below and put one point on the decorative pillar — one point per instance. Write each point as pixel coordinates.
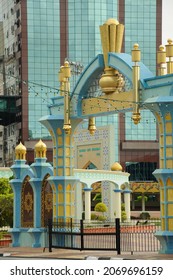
(117, 197)
(61, 128)
(20, 170)
(40, 168)
(163, 110)
(87, 203)
(78, 201)
(127, 193)
(143, 202)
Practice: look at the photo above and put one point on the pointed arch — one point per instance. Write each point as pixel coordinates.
(27, 206)
(46, 201)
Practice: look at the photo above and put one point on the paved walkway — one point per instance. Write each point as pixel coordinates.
(27, 252)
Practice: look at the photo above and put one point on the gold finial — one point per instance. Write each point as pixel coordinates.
(136, 53)
(161, 60)
(136, 117)
(111, 38)
(91, 125)
(20, 152)
(169, 48)
(161, 48)
(40, 149)
(169, 54)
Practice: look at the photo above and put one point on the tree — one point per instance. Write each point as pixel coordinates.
(6, 203)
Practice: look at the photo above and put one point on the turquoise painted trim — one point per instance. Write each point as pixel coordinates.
(117, 191)
(166, 241)
(87, 189)
(80, 91)
(123, 63)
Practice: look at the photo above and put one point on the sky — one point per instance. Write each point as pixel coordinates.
(167, 17)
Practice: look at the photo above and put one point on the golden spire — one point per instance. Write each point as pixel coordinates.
(20, 152)
(40, 149)
(111, 38)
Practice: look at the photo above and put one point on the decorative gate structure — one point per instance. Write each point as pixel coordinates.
(80, 235)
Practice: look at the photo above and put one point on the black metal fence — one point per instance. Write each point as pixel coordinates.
(82, 235)
(139, 236)
(133, 236)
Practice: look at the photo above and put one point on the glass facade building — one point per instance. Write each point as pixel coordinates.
(48, 31)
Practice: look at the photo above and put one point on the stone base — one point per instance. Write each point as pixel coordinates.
(166, 241)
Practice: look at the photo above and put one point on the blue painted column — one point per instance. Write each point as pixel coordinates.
(62, 182)
(40, 168)
(20, 170)
(163, 110)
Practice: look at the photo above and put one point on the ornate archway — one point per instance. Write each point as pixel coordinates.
(115, 82)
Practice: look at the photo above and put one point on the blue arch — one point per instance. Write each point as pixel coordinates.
(90, 73)
(120, 61)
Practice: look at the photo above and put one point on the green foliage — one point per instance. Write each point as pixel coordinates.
(123, 216)
(101, 218)
(98, 197)
(123, 207)
(139, 198)
(101, 207)
(6, 203)
(94, 216)
(123, 213)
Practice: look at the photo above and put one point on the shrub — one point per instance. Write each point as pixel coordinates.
(94, 216)
(101, 207)
(101, 218)
(123, 216)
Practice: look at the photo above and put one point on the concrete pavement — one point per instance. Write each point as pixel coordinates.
(39, 253)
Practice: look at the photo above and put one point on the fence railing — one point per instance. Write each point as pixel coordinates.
(82, 235)
(139, 236)
(133, 236)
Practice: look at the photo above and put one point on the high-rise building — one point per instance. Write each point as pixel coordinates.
(39, 35)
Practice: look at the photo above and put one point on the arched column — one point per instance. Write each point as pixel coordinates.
(143, 202)
(87, 191)
(117, 199)
(163, 110)
(127, 193)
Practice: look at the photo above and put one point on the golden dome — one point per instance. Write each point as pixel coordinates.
(112, 21)
(20, 147)
(40, 149)
(20, 151)
(116, 167)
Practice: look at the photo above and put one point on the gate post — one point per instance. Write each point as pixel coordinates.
(118, 243)
(81, 235)
(50, 234)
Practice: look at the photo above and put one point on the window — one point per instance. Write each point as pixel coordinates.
(141, 171)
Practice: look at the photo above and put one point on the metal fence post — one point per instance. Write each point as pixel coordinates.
(118, 236)
(81, 235)
(50, 234)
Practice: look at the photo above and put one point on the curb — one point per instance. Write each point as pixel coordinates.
(5, 255)
(104, 258)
